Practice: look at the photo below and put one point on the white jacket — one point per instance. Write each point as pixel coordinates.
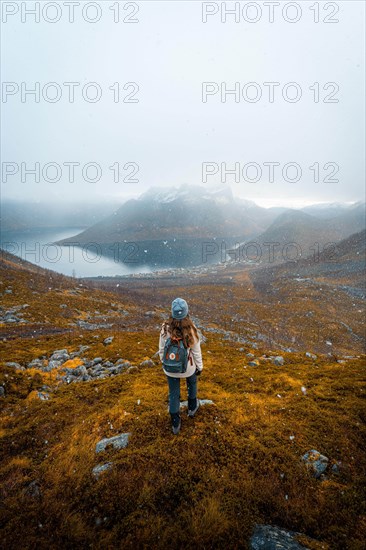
(194, 353)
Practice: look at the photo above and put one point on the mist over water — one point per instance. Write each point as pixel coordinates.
(37, 246)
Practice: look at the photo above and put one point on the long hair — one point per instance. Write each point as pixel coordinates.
(182, 328)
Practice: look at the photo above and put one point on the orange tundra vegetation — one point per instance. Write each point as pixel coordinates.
(236, 464)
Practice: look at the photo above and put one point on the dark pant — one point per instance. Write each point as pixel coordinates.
(174, 392)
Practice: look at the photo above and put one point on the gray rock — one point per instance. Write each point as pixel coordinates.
(95, 372)
(315, 462)
(117, 442)
(78, 371)
(133, 368)
(36, 364)
(33, 489)
(14, 365)
(62, 306)
(60, 355)
(97, 360)
(2, 391)
(11, 318)
(43, 396)
(116, 369)
(278, 360)
(336, 467)
(108, 340)
(107, 364)
(253, 363)
(147, 363)
(68, 378)
(123, 361)
(8, 291)
(52, 365)
(149, 313)
(97, 470)
(249, 355)
(269, 537)
(91, 326)
(311, 355)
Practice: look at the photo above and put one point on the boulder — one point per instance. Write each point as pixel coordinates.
(278, 360)
(52, 365)
(43, 396)
(2, 391)
(311, 355)
(118, 442)
(97, 470)
(14, 365)
(132, 369)
(36, 364)
(269, 537)
(108, 340)
(315, 462)
(60, 355)
(254, 363)
(147, 363)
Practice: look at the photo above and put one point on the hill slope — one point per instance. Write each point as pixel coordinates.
(238, 463)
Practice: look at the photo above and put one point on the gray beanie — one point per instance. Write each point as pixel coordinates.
(179, 308)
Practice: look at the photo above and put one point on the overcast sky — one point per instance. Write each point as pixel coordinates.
(170, 132)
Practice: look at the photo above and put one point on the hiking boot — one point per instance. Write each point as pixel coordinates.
(193, 406)
(176, 423)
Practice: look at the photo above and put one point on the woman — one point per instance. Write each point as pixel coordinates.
(180, 326)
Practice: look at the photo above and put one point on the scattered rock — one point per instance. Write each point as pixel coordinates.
(97, 360)
(311, 355)
(269, 537)
(33, 489)
(2, 391)
(91, 326)
(60, 355)
(315, 462)
(108, 340)
(101, 468)
(52, 365)
(249, 355)
(278, 360)
(336, 467)
(14, 365)
(43, 396)
(37, 364)
(254, 363)
(149, 313)
(147, 363)
(132, 369)
(118, 442)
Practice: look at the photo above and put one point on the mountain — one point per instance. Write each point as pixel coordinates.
(326, 210)
(171, 226)
(295, 234)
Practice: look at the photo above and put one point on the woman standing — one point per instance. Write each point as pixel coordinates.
(181, 327)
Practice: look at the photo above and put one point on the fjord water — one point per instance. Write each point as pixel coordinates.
(36, 246)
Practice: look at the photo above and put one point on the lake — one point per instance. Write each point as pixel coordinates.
(35, 246)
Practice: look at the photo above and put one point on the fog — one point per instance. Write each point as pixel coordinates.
(167, 127)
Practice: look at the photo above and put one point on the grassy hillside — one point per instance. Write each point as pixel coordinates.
(236, 464)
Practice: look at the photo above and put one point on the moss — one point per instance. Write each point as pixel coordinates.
(237, 463)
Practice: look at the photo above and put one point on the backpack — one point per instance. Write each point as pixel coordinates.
(176, 356)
